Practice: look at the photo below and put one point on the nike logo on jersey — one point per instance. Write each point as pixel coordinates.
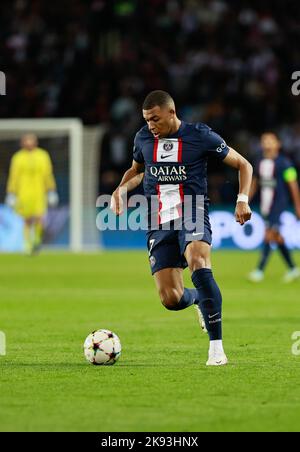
(166, 156)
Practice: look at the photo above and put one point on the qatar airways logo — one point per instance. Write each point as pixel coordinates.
(169, 173)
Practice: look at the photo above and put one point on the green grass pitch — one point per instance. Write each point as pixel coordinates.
(50, 303)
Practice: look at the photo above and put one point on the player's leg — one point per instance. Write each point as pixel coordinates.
(293, 272)
(209, 298)
(166, 263)
(24, 209)
(32, 207)
(257, 275)
(174, 296)
(37, 233)
(40, 210)
(27, 233)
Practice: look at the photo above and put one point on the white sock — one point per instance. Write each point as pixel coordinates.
(216, 348)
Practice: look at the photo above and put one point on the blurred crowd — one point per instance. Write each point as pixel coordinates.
(226, 62)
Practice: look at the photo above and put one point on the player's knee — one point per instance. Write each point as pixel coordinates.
(279, 239)
(199, 261)
(269, 236)
(272, 236)
(170, 298)
(198, 256)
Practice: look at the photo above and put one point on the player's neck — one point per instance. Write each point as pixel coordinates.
(175, 127)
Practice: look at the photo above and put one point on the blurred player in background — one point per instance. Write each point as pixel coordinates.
(276, 178)
(31, 188)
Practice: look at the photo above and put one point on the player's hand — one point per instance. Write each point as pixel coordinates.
(11, 200)
(53, 198)
(298, 212)
(242, 212)
(117, 201)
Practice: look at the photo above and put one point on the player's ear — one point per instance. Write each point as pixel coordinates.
(172, 112)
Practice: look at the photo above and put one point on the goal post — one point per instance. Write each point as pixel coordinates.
(73, 128)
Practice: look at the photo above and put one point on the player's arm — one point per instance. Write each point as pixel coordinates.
(237, 161)
(253, 188)
(12, 183)
(131, 179)
(50, 183)
(49, 176)
(290, 177)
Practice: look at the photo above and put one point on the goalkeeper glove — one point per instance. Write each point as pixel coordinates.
(11, 200)
(52, 198)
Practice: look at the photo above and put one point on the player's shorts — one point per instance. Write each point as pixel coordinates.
(272, 221)
(167, 248)
(31, 206)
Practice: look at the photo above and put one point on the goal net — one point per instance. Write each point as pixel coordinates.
(74, 151)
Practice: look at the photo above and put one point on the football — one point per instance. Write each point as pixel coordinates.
(102, 348)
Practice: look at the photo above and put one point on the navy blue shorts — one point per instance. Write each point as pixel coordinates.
(272, 221)
(167, 248)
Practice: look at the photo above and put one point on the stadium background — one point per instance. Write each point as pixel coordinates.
(228, 64)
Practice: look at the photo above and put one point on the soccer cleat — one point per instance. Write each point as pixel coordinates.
(256, 276)
(200, 319)
(217, 360)
(292, 275)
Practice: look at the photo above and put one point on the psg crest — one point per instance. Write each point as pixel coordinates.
(168, 146)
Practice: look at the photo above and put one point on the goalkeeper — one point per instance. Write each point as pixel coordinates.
(31, 188)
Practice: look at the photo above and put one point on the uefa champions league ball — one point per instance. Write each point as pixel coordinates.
(102, 348)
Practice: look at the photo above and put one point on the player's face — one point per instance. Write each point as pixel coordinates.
(270, 145)
(160, 120)
(29, 142)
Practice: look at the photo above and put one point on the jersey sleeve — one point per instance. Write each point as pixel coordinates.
(215, 145)
(289, 172)
(49, 176)
(137, 150)
(12, 183)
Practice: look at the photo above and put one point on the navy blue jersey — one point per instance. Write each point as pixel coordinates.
(176, 166)
(274, 191)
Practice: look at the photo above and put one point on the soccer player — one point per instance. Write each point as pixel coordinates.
(276, 178)
(173, 155)
(30, 188)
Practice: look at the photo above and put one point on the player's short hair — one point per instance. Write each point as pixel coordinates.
(158, 98)
(29, 135)
(271, 132)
